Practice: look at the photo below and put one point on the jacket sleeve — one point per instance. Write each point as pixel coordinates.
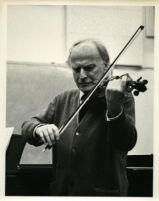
(122, 131)
(45, 117)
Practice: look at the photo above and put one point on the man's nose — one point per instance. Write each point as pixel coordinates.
(83, 73)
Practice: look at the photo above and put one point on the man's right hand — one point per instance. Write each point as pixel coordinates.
(48, 133)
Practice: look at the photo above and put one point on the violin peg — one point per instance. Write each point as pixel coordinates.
(117, 77)
(136, 93)
(145, 81)
(138, 80)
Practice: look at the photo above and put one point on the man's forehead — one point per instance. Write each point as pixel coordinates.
(85, 50)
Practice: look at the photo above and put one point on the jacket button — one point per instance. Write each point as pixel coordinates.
(74, 149)
(77, 133)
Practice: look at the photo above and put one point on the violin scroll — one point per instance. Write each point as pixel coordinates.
(138, 86)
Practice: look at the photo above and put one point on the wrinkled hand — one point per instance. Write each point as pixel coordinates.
(115, 93)
(48, 133)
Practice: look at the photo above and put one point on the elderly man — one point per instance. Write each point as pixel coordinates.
(91, 152)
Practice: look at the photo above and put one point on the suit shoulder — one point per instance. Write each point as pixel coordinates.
(68, 94)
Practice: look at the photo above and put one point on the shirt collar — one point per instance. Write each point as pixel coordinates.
(81, 94)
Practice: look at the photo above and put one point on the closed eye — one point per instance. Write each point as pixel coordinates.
(76, 69)
(89, 67)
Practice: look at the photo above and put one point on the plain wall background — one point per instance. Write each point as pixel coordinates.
(45, 34)
(35, 33)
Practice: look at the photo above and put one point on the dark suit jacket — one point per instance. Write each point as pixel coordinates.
(91, 154)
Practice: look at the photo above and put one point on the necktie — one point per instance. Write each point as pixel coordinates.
(84, 108)
(95, 104)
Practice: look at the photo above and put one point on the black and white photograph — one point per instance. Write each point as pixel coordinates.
(80, 100)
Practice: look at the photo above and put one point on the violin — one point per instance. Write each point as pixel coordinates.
(135, 86)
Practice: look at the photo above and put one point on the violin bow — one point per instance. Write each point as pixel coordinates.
(90, 94)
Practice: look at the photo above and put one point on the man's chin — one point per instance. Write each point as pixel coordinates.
(86, 89)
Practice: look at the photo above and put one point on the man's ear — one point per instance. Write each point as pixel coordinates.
(105, 67)
(110, 74)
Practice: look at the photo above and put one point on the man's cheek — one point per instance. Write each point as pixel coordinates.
(76, 77)
(95, 79)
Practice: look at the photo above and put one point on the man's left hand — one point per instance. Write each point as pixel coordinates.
(115, 93)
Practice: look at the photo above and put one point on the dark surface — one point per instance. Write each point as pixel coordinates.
(14, 152)
(140, 181)
(140, 175)
(140, 160)
(25, 179)
(29, 180)
(34, 180)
